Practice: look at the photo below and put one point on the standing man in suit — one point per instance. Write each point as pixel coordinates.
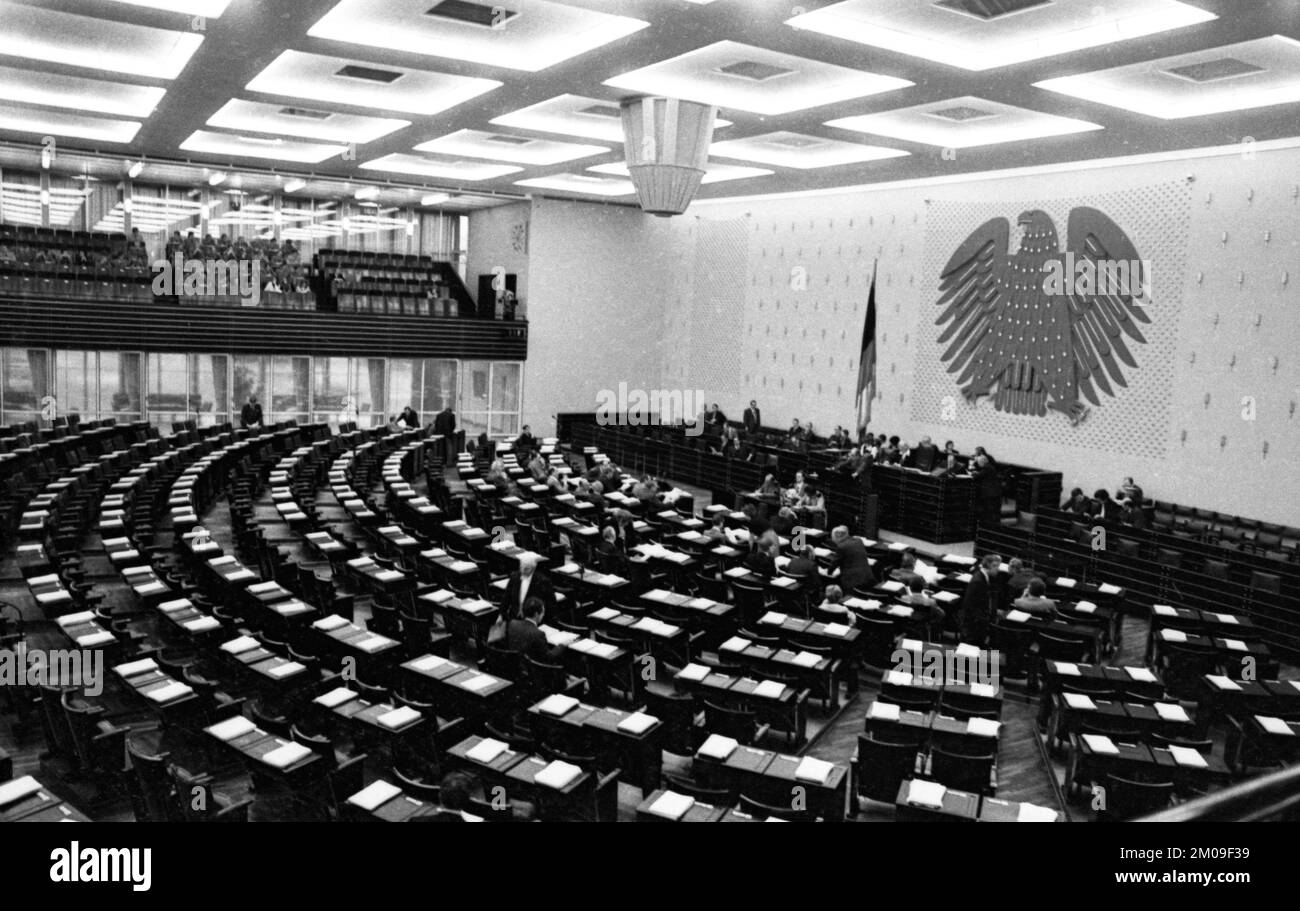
(444, 423)
(527, 583)
(855, 567)
(525, 443)
(981, 601)
(524, 635)
(251, 414)
(753, 418)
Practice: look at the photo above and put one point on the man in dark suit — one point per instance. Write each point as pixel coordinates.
(925, 455)
(444, 423)
(525, 444)
(527, 583)
(981, 600)
(855, 567)
(523, 634)
(251, 414)
(753, 418)
(611, 557)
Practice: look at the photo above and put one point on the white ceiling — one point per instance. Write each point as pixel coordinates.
(812, 96)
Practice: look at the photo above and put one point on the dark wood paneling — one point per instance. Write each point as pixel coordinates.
(44, 323)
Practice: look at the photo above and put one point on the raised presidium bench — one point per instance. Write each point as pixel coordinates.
(25, 799)
(811, 787)
(928, 801)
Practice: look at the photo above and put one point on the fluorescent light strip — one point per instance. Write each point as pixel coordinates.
(78, 94)
(78, 126)
(210, 9)
(226, 144)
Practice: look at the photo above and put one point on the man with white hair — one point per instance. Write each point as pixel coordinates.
(527, 583)
(855, 566)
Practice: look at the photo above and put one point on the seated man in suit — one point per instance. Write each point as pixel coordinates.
(1018, 578)
(802, 564)
(527, 583)
(1077, 503)
(523, 634)
(906, 571)
(831, 606)
(539, 469)
(762, 554)
(927, 612)
(1034, 600)
(611, 556)
(855, 566)
(785, 521)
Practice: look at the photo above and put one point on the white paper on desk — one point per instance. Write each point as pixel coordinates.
(884, 711)
(1018, 616)
(583, 646)
(263, 587)
(807, 659)
(605, 613)
(836, 629)
(736, 572)
(1171, 711)
(390, 575)
(813, 769)
(926, 794)
(647, 624)
(67, 620)
(897, 678)
(333, 621)
(92, 639)
(1222, 683)
(221, 561)
(558, 774)
(1295, 684)
(287, 669)
(478, 682)
(717, 747)
(910, 645)
(1065, 582)
(241, 575)
(130, 669)
(1164, 610)
(1173, 635)
(202, 624)
(439, 596)
(240, 645)
(671, 805)
(1100, 743)
(287, 755)
(1029, 812)
(735, 644)
(957, 558)
(693, 672)
(374, 796)
(231, 728)
(770, 689)
(478, 606)
(173, 690)
(373, 643)
(1235, 644)
(462, 566)
(783, 582)
(962, 577)
(1107, 589)
(1141, 674)
(171, 607)
(557, 704)
(335, 697)
(1274, 725)
(899, 610)
(637, 723)
(773, 617)
(1226, 618)
(487, 750)
(967, 650)
(557, 636)
(13, 791)
(603, 649)
(1066, 669)
(982, 727)
(983, 690)
(1079, 701)
(897, 545)
(398, 717)
(1187, 757)
(1085, 607)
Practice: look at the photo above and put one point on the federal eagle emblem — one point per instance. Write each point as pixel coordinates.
(1041, 329)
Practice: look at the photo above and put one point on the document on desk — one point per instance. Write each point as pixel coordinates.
(559, 775)
(333, 621)
(486, 750)
(605, 613)
(928, 794)
(1235, 644)
(735, 644)
(814, 770)
(1187, 757)
(1066, 669)
(438, 597)
(603, 649)
(16, 790)
(637, 723)
(375, 795)
(1173, 635)
(398, 717)
(1163, 610)
(693, 672)
(557, 636)
(202, 624)
(962, 577)
(807, 659)
(1171, 711)
(1079, 701)
(179, 604)
(967, 650)
(173, 690)
(1065, 582)
(884, 711)
(1030, 812)
(1275, 725)
(1224, 683)
(130, 669)
(477, 606)
(770, 689)
(773, 617)
(717, 747)
(982, 727)
(897, 678)
(231, 728)
(335, 697)
(285, 756)
(983, 690)
(1107, 589)
(1018, 616)
(1100, 743)
(1225, 618)
(899, 610)
(836, 629)
(557, 704)
(288, 669)
(1141, 674)
(478, 682)
(671, 805)
(1085, 607)
(911, 645)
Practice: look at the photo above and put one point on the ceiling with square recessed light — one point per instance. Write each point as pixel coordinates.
(469, 102)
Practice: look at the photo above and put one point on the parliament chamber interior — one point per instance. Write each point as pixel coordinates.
(649, 411)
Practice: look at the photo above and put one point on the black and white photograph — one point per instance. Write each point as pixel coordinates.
(613, 411)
